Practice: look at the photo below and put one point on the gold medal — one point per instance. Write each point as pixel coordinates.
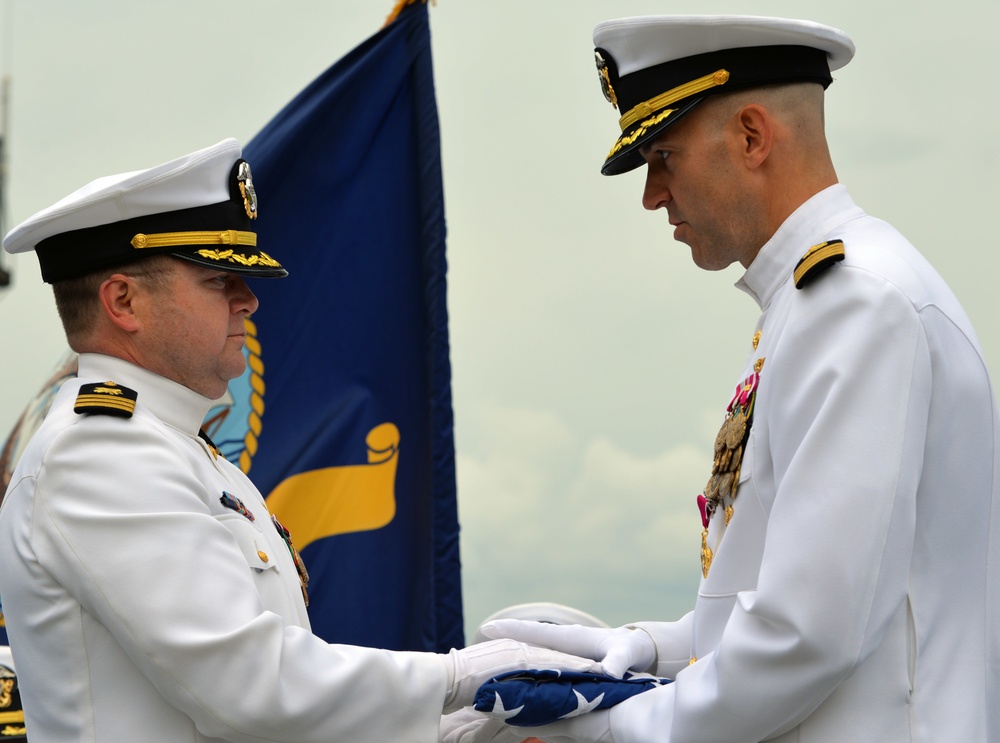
(737, 428)
(727, 463)
(720, 439)
(712, 488)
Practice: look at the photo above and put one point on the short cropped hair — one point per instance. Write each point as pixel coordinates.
(77, 302)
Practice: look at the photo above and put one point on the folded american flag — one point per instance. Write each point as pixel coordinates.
(539, 697)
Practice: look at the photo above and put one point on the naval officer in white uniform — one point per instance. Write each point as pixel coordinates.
(148, 594)
(11, 713)
(851, 545)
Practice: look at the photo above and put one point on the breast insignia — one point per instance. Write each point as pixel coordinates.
(816, 260)
(231, 501)
(300, 566)
(730, 446)
(106, 398)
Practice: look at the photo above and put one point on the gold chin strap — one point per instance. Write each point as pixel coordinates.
(172, 239)
(7, 718)
(650, 107)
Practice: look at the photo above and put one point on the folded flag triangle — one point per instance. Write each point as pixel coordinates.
(539, 697)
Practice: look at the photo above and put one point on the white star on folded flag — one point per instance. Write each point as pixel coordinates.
(499, 713)
(583, 705)
(542, 696)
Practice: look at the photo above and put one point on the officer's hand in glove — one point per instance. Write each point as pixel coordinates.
(473, 666)
(593, 727)
(618, 650)
(469, 726)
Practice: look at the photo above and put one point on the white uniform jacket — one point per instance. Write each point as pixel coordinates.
(853, 595)
(141, 608)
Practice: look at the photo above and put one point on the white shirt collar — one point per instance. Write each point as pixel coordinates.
(173, 403)
(808, 225)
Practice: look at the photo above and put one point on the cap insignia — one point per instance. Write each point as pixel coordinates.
(816, 260)
(107, 398)
(245, 180)
(605, 77)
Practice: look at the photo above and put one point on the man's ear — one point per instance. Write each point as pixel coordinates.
(756, 128)
(117, 295)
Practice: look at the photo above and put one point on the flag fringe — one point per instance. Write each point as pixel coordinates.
(399, 9)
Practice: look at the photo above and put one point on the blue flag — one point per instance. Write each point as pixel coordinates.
(344, 419)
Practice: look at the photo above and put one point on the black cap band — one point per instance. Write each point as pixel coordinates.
(72, 254)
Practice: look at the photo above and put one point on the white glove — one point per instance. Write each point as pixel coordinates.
(618, 650)
(593, 727)
(473, 666)
(469, 726)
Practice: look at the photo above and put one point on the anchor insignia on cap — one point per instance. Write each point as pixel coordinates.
(605, 77)
(247, 191)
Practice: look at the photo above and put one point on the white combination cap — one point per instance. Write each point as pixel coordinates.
(654, 69)
(200, 207)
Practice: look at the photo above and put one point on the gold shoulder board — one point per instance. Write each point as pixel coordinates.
(106, 398)
(816, 260)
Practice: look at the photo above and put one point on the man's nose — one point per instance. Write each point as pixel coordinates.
(655, 195)
(243, 299)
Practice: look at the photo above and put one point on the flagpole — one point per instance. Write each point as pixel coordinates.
(5, 84)
(394, 14)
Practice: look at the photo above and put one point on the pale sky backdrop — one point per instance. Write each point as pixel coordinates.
(592, 360)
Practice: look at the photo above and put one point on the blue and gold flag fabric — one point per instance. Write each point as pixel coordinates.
(343, 419)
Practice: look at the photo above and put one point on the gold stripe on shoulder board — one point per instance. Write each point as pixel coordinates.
(106, 398)
(817, 259)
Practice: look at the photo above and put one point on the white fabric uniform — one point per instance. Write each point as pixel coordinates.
(853, 596)
(140, 608)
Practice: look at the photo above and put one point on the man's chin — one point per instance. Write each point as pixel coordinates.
(709, 263)
(227, 374)
(237, 368)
